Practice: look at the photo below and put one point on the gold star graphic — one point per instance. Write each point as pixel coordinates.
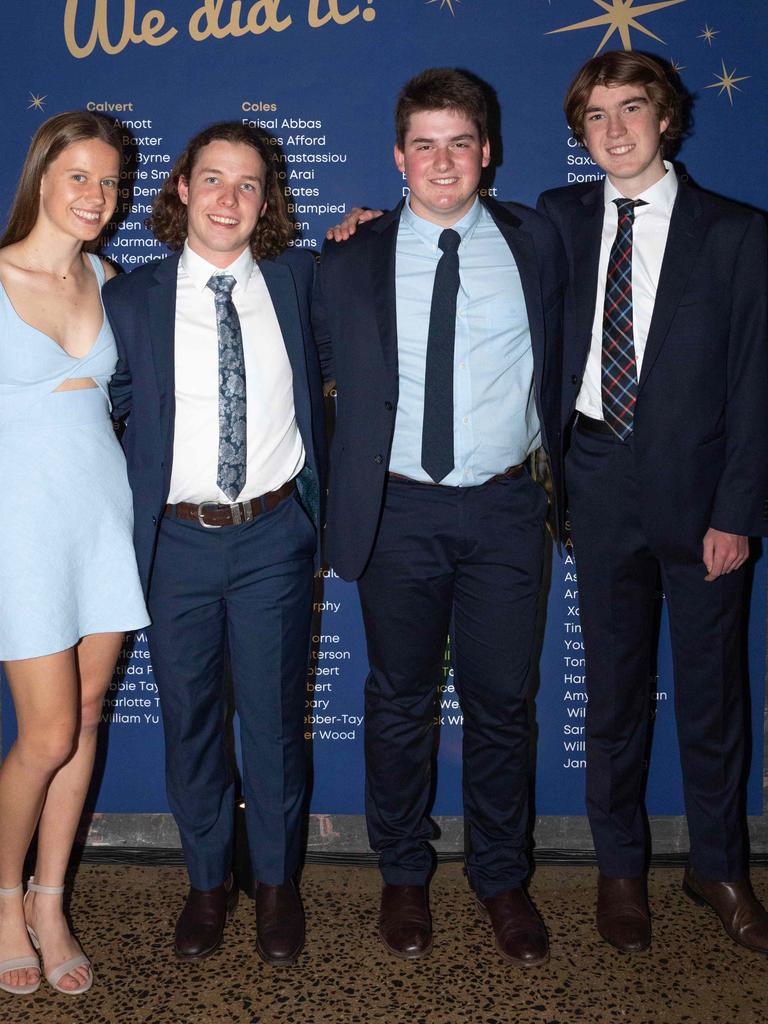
(620, 16)
(677, 67)
(727, 82)
(38, 102)
(708, 33)
(446, 3)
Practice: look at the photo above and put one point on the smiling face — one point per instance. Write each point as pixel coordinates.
(622, 132)
(442, 159)
(78, 191)
(224, 196)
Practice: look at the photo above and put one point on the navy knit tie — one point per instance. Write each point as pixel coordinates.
(437, 455)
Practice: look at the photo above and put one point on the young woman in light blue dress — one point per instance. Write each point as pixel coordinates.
(69, 588)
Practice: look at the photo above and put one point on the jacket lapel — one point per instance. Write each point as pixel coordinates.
(686, 231)
(382, 241)
(161, 316)
(585, 241)
(282, 291)
(522, 247)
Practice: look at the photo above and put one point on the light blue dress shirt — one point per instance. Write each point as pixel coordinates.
(495, 420)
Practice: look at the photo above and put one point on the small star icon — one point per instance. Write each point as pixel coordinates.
(708, 33)
(677, 67)
(38, 102)
(727, 82)
(446, 3)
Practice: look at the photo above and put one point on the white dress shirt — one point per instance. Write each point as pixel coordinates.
(649, 240)
(275, 452)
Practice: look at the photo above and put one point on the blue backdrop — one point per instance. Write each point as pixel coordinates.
(322, 76)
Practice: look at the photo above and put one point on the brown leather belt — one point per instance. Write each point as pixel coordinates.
(213, 515)
(512, 473)
(592, 426)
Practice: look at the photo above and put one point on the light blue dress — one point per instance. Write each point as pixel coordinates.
(67, 566)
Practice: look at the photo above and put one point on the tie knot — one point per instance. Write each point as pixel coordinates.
(626, 207)
(221, 284)
(449, 240)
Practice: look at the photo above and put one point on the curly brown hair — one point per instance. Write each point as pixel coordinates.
(275, 229)
(52, 138)
(619, 67)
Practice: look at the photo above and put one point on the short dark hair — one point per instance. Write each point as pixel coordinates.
(442, 89)
(274, 230)
(620, 67)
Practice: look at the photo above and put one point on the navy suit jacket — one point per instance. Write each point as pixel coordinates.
(142, 309)
(356, 330)
(701, 420)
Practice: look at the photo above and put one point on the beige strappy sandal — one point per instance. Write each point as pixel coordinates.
(54, 976)
(19, 963)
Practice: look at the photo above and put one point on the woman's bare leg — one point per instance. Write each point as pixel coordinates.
(92, 665)
(96, 656)
(46, 698)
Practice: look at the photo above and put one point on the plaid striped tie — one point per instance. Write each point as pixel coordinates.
(619, 366)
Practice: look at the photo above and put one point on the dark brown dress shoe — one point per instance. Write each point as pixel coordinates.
(623, 917)
(279, 923)
(521, 937)
(405, 924)
(200, 927)
(743, 916)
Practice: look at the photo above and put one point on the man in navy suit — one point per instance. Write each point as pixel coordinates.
(666, 368)
(440, 322)
(224, 443)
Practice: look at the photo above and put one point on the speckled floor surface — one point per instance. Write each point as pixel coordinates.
(125, 917)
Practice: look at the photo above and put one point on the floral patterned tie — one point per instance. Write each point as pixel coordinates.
(232, 411)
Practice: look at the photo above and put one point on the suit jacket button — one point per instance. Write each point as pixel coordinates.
(154, 520)
(574, 379)
(388, 406)
(378, 459)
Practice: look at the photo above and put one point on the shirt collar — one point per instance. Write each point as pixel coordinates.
(429, 233)
(661, 196)
(200, 270)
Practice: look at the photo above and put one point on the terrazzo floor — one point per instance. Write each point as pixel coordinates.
(125, 917)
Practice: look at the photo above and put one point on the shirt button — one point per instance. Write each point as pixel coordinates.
(462, 366)
(466, 419)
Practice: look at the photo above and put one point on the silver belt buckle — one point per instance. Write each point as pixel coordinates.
(208, 526)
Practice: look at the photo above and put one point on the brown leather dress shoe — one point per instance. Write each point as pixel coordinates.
(200, 927)
(279, 923)
(521, 937)
(623, 917)
(405, 924)
(743, 916)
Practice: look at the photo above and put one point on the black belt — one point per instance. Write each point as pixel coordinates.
(213, 515)
(590, 426)
(512, 473)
